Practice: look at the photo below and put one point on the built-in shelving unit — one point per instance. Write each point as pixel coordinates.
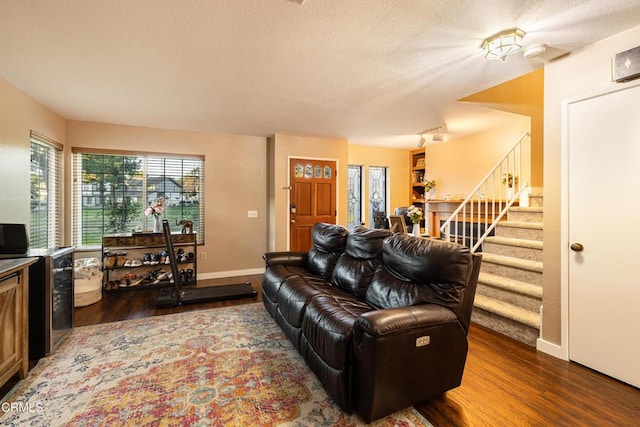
(417, 160)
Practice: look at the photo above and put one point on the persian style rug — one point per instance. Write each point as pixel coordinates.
(218, 367)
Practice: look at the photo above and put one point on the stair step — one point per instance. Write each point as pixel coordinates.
(520, 230)
(515, 292)
(525, 214)
(509, 261)
(519, 248)
(536, 200)
(513, 268)
(508, 311)
(518, 331)
(521, 243)
(511, 285)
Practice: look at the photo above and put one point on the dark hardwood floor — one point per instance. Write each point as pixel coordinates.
(505, 383)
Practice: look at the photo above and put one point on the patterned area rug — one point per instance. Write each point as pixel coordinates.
(225, 366)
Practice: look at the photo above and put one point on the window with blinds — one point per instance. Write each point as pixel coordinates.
(45, 222)
(112, 190)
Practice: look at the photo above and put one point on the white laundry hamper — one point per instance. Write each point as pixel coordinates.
(87, 281)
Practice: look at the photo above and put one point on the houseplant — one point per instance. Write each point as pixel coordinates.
(416, 215)
(509, 180)
(429, 184)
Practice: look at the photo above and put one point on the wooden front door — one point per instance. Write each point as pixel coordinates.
(313, 199)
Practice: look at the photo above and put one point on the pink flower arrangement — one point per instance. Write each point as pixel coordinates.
(155, 208)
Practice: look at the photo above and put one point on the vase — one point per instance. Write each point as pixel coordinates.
(416, 230)
(509, 193)
(431, 194)
(157, 224)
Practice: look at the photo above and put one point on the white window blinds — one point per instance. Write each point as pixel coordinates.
(45, 222)
(112, 190)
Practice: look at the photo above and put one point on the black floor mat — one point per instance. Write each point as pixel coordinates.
(167, 297)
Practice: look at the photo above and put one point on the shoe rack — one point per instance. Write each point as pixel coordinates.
(139, 260)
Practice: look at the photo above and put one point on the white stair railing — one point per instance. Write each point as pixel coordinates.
(488, 202)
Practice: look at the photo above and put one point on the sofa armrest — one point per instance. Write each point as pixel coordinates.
(298, 259)
(405, 355)
(392, 320)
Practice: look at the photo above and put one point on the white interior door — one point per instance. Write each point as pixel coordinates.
(604, 217)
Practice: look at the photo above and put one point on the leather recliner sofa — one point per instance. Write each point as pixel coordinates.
(380, 318)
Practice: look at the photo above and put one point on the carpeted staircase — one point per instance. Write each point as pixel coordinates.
(509, 292)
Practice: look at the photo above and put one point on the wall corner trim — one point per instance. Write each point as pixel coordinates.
(550, 348)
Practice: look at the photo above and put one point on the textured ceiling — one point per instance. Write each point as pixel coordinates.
(373, 72)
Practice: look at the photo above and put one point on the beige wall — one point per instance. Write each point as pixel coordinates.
(19, 114)
(398, 180)
(236, 167)
(584, 71)
(457, 166)
(523, 95)
(283, 147)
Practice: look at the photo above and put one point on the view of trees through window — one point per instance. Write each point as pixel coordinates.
(113, 191)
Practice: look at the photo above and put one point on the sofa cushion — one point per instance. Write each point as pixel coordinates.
(275, 275)
(363, 253)
(417, 270)
(297, 292)
(329, 241)
(328, 327)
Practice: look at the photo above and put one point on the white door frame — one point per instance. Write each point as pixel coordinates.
(564, 207)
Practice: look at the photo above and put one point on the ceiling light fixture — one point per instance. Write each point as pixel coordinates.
(436, 135)
(503, 44)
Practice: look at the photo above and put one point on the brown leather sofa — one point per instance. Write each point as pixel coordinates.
(380, 318)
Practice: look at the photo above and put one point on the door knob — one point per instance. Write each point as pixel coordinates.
(577, 247)
(293, 221)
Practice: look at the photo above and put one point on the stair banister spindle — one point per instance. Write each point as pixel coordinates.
(512, 162)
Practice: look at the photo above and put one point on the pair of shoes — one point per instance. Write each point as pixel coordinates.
(112, 285)
(111, 260)
(153, 274)
(148, 258)
(136, 281)
(186, 275)
(132, 263)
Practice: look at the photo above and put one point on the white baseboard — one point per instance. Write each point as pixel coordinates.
(233, 273)
(549, 348)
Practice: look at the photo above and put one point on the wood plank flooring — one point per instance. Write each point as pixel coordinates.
(505, 383)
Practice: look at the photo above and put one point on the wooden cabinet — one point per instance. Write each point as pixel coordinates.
(417, 160)
(14, 318)
(135, 261)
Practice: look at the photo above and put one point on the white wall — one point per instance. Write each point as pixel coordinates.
(581, 72)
